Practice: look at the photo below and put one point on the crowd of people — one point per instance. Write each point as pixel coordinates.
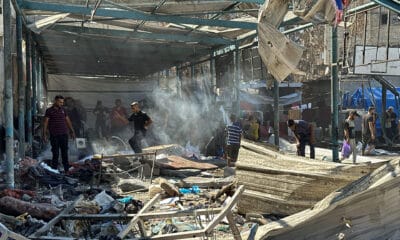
(66, 117)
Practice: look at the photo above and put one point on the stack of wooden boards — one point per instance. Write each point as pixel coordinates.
(276, 183)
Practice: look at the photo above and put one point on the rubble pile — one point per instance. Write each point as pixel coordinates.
(123, 196)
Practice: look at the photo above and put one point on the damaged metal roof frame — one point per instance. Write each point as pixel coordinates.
(134, 38)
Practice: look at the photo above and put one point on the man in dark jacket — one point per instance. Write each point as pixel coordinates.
(141, 122)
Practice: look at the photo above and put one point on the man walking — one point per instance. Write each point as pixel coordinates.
(368, 130)
(304, 134)
(57, 122)
(234, 133)
(141, 122)
(349, 132)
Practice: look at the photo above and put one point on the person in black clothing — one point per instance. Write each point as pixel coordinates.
(101, 113)
(141, 122)
(74, 115)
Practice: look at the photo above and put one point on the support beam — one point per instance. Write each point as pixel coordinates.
(8, 94)
(212, 72)
(334, 96)
(383, 115)
(34, 78)
(34, 82)
(392, 5)
(29, 92)
(237, 68)
(28, 111)
(143, 35)
(361, 8)
(134, 14)
(21, 90)
(40, 82)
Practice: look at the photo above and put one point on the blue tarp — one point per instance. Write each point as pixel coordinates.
(370, 96)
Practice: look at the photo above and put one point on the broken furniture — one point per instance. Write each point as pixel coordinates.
(138, 156)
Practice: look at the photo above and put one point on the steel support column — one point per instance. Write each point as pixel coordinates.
(383, 118)
(236, 55)
(21, 90)
(212, 72)
(8, 94)
(178, 82)
(35, 68)
(40, 83)
(334, 96)
(29, 90)
(276, 112)
(192, 75)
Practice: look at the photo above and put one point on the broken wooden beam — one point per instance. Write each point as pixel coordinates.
(55, 220)
(10, 205)
(207, 231)
(203, 182)
(135, 219)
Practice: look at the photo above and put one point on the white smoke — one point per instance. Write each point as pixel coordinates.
(195, 118)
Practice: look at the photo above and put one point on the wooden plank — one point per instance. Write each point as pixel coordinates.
(235, 198)
(232, 225)
(143, 216)
(55, 220)
(210, 227)
(365, 209)
(135, 219)
(281, 184)
(177, 162)
(203, 182)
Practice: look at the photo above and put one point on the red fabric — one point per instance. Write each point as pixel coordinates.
(16, 193)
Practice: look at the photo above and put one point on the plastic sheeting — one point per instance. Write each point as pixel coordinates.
(362, 99)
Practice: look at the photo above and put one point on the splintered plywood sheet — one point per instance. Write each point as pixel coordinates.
(279, 54)
(280, 184)
(365, 209)
(177, 162)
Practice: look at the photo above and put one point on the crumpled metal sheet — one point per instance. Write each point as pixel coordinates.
(279, 53)
(315, 11)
